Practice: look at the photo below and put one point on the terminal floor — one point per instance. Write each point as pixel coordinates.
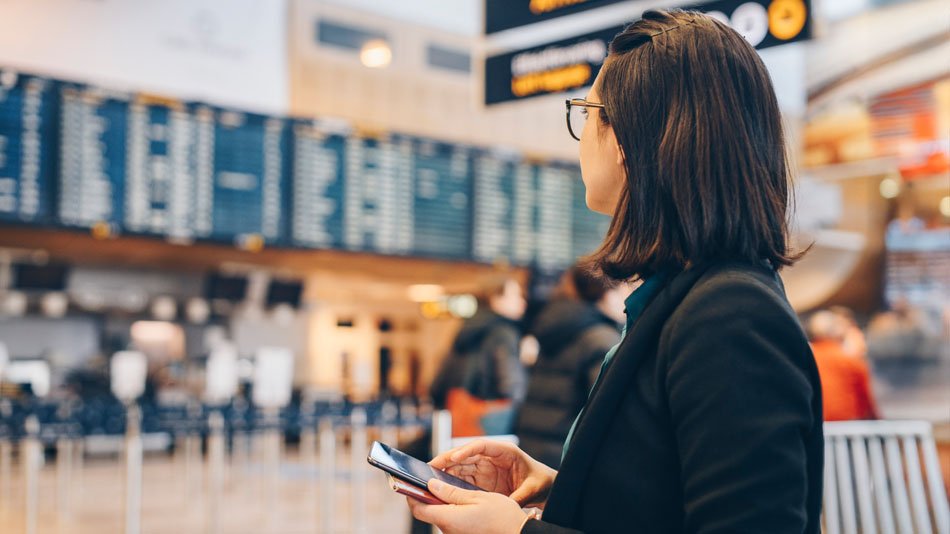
(176, 500)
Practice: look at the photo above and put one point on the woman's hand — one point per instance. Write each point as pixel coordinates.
(469, 512)
(499, 467)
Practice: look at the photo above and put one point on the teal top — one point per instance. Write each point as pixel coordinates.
(633, 308)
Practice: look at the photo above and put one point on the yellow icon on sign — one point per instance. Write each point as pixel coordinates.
(787, 18)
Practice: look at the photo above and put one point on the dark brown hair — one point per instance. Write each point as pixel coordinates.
(693, 109)
(589, 285)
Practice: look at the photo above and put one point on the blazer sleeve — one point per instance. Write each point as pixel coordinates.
(741, 399)
(536, 526)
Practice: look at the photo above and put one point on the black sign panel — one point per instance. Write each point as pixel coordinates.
(764, 23)
(573, 63)
(506, 14)
(547, 69)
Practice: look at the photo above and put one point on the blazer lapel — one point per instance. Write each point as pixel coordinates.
(604, 401)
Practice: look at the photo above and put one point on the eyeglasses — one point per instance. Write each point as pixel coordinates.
(577, 115)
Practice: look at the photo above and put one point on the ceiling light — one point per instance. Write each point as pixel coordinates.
(890, 187)
(425, 292)
(376, 54)
(164, 308)
(54, 305)
(14, 304)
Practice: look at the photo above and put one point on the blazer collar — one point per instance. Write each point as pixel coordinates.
(563, 502)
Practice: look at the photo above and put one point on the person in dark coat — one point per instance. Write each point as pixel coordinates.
(707, 416)
(574, 331)
(484, 359)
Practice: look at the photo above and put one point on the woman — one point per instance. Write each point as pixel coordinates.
(707, 415)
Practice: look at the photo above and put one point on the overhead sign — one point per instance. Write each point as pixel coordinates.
(573, 63)
(764, 23)
(507, 14)
(547, 69)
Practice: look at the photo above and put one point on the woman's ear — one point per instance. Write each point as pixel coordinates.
(621, 157)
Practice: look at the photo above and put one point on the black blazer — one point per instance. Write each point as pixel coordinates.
(708, 419)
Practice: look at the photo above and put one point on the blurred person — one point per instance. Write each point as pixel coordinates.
(484, 360)
(707, 416)
(483, 371)
(901, 333)
(845, 379)
(853, 342)
(577, 327)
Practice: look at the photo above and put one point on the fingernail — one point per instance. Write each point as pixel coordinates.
(436, 484)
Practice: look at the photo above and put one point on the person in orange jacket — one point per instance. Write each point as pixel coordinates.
(845, 378)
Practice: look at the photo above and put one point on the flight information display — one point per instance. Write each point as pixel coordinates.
(493, 229)
(27, 125)
(318, 180)
(92, 156)
(186, 171)
(393, 194)
(378, 197)
(528, 213)
(442, 199)
(182, 171)
(249, 163)
(168, 188)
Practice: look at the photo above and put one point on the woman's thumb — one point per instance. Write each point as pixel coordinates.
(522, 495)
(450, 494)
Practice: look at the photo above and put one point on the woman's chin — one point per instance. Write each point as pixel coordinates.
(598, 207)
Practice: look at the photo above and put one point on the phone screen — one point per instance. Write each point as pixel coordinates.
(410, 469)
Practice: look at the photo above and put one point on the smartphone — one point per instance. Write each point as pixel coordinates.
(419, 494)
(414, 472)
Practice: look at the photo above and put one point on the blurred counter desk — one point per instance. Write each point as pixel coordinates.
(100, 423)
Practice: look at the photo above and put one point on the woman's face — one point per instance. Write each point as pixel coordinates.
(602, 165)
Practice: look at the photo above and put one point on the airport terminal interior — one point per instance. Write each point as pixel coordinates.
(239, 240)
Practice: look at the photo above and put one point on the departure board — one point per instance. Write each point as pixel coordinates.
(185, 171)
(318, 180)
(554, 188)
(398, 194)
(165, 193)
(176, 170)
(378, 198)
(248, 160)
(524, 212)
(27, 127)
(493, 194)
(442, 209)
(92, 148)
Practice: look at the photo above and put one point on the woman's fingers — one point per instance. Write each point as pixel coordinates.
(524, 494)
(480, 447)
(461, 470)
(420, 510)
(443, 460)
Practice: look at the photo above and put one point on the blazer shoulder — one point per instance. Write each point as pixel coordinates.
(740, 282)
(735, 295)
